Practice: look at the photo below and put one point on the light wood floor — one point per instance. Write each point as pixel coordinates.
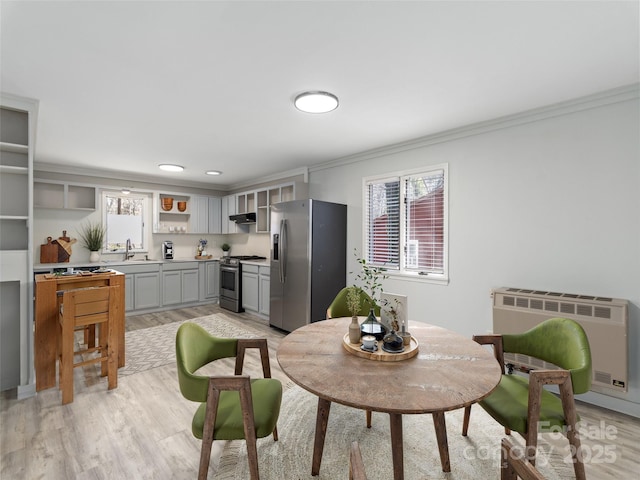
(142, 429)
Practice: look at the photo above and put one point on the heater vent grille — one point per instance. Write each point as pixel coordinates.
(604, 319)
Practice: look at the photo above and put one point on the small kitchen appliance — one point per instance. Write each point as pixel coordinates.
(167, 250)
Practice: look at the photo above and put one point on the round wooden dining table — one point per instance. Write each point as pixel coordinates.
(449, 372)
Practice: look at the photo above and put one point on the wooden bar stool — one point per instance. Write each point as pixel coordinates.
(80, 308)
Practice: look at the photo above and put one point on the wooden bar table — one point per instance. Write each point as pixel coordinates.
(448, 372)
(46, 317)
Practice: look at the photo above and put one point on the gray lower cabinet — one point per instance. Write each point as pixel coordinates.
(180, 283)
(142, 286)
(147, 290)
(265, 290)
(255, 289)
(250, 287)
(171, 288)
(168, 285)
(209, 280)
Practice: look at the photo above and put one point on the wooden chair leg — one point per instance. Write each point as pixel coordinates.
(368, 418)
(571, 418)
(112, 354)
(213, 398)
(275, 434)
(66, 364)
(465, 421)
(249, 430)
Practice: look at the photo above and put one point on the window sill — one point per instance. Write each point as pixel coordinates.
(414, 277)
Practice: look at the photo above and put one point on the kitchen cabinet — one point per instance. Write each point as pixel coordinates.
(250, 287)
(171, 220)
(256, 288)
(17, 141)
(260, 201)
(265, 290)
(64, 195)
(209, 280)
(215, 214)
(180, 283)
(199, 217)
(228, 207)
(142, 286)
(205, 214)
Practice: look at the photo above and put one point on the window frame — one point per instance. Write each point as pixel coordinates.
(146, 215)
(400, 176)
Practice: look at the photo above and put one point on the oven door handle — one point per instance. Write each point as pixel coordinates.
(283, 250)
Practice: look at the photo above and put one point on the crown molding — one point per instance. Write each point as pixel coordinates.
(122, 176)
(607, 97)
(303, 171)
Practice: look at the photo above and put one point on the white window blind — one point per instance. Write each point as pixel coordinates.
(383, 222)
(424, 222)
(405, 222)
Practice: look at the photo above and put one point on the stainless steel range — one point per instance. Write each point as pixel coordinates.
(231, 281)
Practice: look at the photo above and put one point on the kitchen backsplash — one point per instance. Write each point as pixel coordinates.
(52, 223)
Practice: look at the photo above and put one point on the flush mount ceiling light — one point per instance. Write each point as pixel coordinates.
(167, 167)
(213, 172)
(126, 191)
(316, 102)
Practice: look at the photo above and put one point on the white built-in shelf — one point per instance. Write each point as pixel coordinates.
(13, 147)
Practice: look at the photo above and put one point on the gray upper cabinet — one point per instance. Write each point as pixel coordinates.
(199, 219)
(228, 207)
(215, 215)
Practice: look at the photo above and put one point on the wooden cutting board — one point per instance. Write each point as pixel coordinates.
(64, 247)
(49, 252)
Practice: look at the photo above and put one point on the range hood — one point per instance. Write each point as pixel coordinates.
(249, 217)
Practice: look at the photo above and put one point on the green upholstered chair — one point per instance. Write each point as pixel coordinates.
(338, 307)
(232, 407)
(519, 403)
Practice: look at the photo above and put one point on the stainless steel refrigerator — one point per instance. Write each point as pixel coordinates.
(308, 260)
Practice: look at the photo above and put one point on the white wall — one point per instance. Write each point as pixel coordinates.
(547, 201)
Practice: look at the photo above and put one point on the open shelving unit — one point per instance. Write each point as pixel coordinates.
(173, 220)
(63, 195)
(17, 135)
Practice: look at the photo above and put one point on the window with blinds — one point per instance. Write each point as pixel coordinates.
(405, 221)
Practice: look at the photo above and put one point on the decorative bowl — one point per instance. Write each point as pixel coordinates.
(182, 206)
(167, 203)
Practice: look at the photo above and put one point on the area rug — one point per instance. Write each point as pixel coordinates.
(154, 347)
(476, 456)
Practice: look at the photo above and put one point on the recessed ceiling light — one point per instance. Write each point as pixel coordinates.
(316, 102)
(213, 172)
(167, 167)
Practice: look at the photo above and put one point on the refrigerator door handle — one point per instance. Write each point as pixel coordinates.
(283, 250)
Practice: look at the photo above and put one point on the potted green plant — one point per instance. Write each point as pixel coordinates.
(92, 236)
(371, 277)
(225, 249)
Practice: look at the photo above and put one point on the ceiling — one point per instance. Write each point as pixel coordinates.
(125, 86)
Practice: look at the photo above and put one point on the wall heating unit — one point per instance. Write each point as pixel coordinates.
(605, 321)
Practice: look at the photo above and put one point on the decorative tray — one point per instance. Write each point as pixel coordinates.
(380, 355)
(203, 257)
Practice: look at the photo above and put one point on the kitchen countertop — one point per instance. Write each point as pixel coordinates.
(116, 263)
(259, 263)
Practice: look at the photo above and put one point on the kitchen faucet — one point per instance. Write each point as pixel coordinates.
(128, 255)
